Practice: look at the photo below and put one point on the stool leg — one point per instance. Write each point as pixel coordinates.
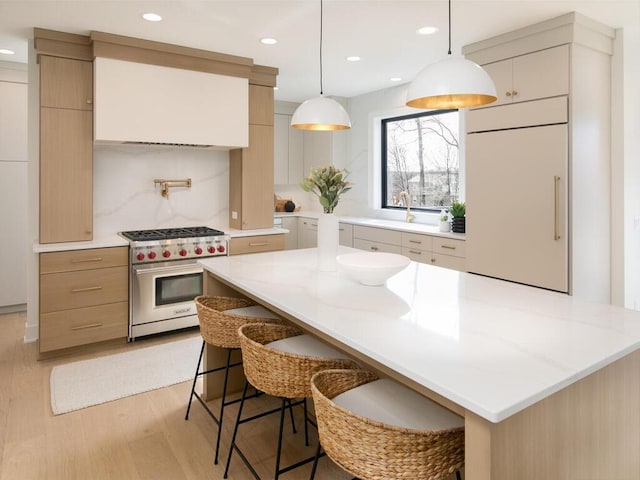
(222, 404)
(282, 413)
(306, 424)
(293, 423)
(458, 476)
(195, 378)
(233, 438)
(315, 462)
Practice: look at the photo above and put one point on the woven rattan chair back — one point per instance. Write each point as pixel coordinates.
(219, 328)
(371, 450)
(278, 373)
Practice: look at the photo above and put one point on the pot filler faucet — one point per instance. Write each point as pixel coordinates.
(409, 218)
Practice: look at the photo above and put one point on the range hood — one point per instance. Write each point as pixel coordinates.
(143, 104)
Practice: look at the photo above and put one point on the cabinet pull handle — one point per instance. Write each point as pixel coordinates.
(81, 260)
(433, 260)
(261, 244)
(89, 102)
(87, 289)
(419, 242)
(556, 201)
(515, 92)
(375, 249)
(448, 247)
(508, 94)
(415, 252)
(84, 327)
(314, 224)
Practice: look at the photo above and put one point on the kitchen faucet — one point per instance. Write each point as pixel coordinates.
(409, 218)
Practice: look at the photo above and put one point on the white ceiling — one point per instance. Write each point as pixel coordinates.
(381, 32)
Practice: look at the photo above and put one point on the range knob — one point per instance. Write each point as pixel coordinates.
(151, 255)
(198, 251)
(140, 256)
(221, 248)
(166, 254)
(211, 249)
(183, 252)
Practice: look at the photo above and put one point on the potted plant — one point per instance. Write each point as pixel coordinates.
(457, 212)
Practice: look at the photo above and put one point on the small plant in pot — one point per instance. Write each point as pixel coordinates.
(457, 212)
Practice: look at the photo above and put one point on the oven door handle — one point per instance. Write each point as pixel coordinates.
(184, 269)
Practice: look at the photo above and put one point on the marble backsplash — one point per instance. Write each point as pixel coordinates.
(125, 197)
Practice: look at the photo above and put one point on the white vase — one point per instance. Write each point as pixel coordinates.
(328, 239)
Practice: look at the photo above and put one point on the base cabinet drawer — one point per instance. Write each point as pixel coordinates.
(74, 260)
(376, 246)
(448, 261)
(255, 244)
(449, 246)
(85, 288)
(70, 328)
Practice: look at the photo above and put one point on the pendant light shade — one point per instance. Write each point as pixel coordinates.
(451, 83)
(320, 113)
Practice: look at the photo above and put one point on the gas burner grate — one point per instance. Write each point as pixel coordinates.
(171, 233)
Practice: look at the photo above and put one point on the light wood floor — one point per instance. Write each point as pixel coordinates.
(136, 438)
(142, 437)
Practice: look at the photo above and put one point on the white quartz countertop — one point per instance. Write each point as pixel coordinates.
(109, 241)
(382, 223)
(490, 346)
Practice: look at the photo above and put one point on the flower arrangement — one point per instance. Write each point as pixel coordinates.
(327, 183)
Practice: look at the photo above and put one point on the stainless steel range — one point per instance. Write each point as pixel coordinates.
(164, 276)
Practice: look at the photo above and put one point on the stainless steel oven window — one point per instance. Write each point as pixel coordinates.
(177, 288)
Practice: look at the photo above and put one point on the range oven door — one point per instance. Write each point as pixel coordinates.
(164, 291)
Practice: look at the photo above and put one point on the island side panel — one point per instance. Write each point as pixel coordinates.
(588, 431)
(214, 356)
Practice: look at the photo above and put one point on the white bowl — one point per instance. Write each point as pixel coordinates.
(372, 268)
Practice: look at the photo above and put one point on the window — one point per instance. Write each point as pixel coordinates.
(420, 157)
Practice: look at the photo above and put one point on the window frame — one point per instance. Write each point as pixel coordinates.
(383, 157)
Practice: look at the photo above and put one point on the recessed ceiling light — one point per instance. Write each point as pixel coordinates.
(152, 17)
(395, 79)
(6, 51)
(426, 30)
(268, 41)
(353, 58)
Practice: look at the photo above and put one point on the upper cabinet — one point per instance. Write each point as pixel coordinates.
(141, 103)
(297, 151)
(536, 75)
(66, 152)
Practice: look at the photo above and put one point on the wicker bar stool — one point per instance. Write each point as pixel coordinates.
(379, 429)
(280, 360)
(220, 318)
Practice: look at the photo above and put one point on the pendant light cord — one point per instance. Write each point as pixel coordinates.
(449, 27)
(321, 47)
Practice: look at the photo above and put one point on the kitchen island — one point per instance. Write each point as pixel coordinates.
(549, 385)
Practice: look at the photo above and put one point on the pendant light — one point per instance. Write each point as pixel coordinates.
(320, 113)
(451, 83)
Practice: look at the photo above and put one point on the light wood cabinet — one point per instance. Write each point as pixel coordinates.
(251, 168)
(532, 76)
(377, 239)
(525, 240)
(345, 234)
(539, 198)
(307, 232)
(66, 83)
(255, 244)
(66, 150)
(260, 105)
(251, 181)
(435, 250)
(288, 151)
(83, 297)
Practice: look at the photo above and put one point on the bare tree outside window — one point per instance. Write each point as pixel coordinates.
(420, 156)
